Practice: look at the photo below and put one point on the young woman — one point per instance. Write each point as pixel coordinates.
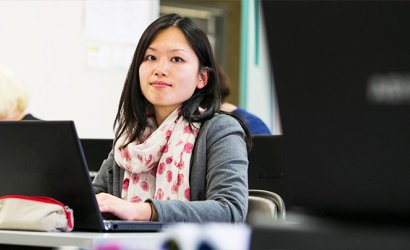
(176, 157)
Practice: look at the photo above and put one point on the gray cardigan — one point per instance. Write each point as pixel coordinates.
(218, 177)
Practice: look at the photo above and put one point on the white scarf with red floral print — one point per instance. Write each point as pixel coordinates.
(159, 166)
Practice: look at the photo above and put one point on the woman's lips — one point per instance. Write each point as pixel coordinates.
(160, 84)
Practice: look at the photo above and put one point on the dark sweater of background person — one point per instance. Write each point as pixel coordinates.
(255, 124)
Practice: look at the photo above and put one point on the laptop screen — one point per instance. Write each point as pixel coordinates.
(342, 76)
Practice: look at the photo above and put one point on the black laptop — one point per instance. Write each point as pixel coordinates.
(266, 169)
(45, 158)
(342, 76)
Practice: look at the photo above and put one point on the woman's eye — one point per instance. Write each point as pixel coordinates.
(150, 58)
(176, 59)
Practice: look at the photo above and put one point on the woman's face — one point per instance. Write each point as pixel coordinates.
(169, 73)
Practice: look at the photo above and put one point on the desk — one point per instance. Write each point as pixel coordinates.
(86, 240)
(224, 236)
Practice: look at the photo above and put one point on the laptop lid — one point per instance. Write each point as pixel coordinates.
(342, 77)
(46, 158)
(266, 170)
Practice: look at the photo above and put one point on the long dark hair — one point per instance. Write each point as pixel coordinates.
(131, 117)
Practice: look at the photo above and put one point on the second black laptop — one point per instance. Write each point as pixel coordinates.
(45, 158)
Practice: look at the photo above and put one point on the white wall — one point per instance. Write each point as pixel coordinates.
(73, 69)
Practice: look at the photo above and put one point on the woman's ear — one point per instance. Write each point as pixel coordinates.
(203, 78)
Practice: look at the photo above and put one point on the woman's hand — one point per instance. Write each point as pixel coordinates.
(123, 209)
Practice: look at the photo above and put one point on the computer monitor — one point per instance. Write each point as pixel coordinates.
(96, 151)
(341, 73)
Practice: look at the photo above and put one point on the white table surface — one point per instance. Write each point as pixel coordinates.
(84, 240)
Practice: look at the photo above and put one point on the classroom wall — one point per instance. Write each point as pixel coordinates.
(73, 56)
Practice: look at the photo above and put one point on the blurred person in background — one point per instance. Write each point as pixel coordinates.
(255, 124)
(13, 98)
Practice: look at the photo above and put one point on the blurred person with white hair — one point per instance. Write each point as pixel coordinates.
(13, 98)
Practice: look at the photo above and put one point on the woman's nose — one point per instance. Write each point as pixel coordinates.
(161, 68)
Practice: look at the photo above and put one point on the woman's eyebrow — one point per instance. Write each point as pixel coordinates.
(171, 50)
(151, 48)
